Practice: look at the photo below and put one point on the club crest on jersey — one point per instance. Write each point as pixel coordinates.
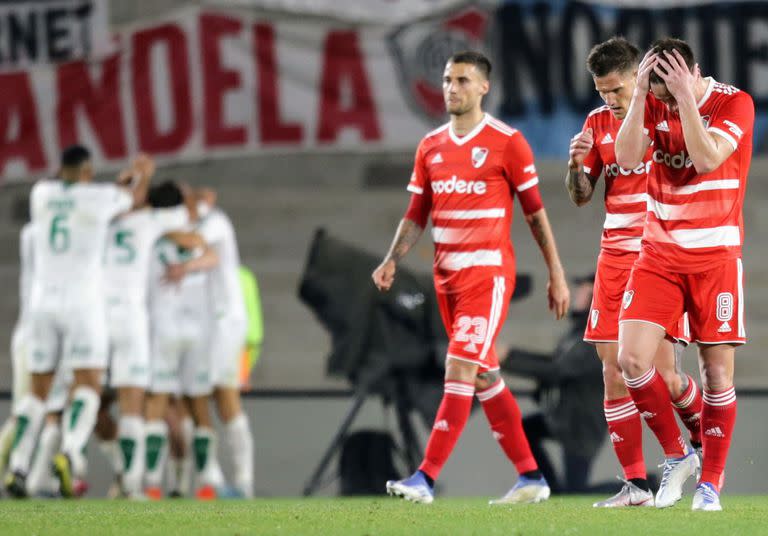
(419, 50)
(628, 295)
(595, 315)
(479, 154)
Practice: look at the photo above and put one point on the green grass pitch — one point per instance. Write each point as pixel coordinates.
(747, 515)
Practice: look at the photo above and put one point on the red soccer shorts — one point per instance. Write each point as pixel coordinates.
(608, 292)
(610, 283)
(713, 299)
(473, 319)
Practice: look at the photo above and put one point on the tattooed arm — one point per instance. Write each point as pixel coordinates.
(408, 233)
(580, 185)
(557, 288)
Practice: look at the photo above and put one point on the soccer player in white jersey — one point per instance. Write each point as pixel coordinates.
(229, 327)
(130, 244)
(70, 219)
(180, 355)
(19, 343)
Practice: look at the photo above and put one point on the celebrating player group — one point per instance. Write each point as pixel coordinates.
(136, 288)
(674, 149)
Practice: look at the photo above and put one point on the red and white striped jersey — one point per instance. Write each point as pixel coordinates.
(694, 219)
(624, 191)
(469, 184)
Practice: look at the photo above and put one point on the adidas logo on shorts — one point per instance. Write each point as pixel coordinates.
(616, 438)
(647, 415)
(725, 327)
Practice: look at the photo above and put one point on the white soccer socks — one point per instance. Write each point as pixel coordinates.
(130, 433)
(77, 424)
(204, 450)
(156, 452)
(31, 413)
(239, 442)
(111, 452)
(41, 479)
(181, 469)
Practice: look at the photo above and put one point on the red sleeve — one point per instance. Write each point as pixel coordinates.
(419, 179)
(593, 162)
(521, 173)
(418, 209)
(734, 120)
(421, 195)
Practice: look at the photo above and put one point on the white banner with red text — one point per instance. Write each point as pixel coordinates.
(202, 84)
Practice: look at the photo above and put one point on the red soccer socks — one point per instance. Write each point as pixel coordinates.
(506, 422)
(688, 407)
(450, 420)
(626, 433)
(718, 418)
(651, 397)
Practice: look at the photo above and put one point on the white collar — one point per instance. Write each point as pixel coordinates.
(707, 93)
(471, 134)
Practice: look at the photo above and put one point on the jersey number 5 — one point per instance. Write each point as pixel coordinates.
(123, 241)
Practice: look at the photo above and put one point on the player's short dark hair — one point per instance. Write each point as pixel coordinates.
(165, 194)
(74, 156)
(617, 55)
(472, 57)
(668, 44)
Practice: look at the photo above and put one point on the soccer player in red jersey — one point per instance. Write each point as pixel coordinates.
(465, 177)
(701, 131)
(613, 65)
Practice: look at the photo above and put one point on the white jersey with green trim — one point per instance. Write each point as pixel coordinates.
(26, 270)
(130, 244)
(70, 223)
(176, 303)
(218, 232)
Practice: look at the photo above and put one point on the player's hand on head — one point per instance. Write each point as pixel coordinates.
(647, 65)
(559, 296)
(672, 69)
(384, 275)
(581, 144)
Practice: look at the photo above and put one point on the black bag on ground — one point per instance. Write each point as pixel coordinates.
(367, 462)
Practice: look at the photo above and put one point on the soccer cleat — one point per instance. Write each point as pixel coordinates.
(525, 491)
(153, 493)
(630, 495)
(676, 472)
(228, 492)
(62, 468)
(205, 493)
(706, 498)
(16, 485)
(415, 488)
(700, 455)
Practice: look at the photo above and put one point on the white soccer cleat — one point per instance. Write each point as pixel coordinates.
(630, 495)
(525, 491)
(415, 488)
(706, 498)
(676, 472)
